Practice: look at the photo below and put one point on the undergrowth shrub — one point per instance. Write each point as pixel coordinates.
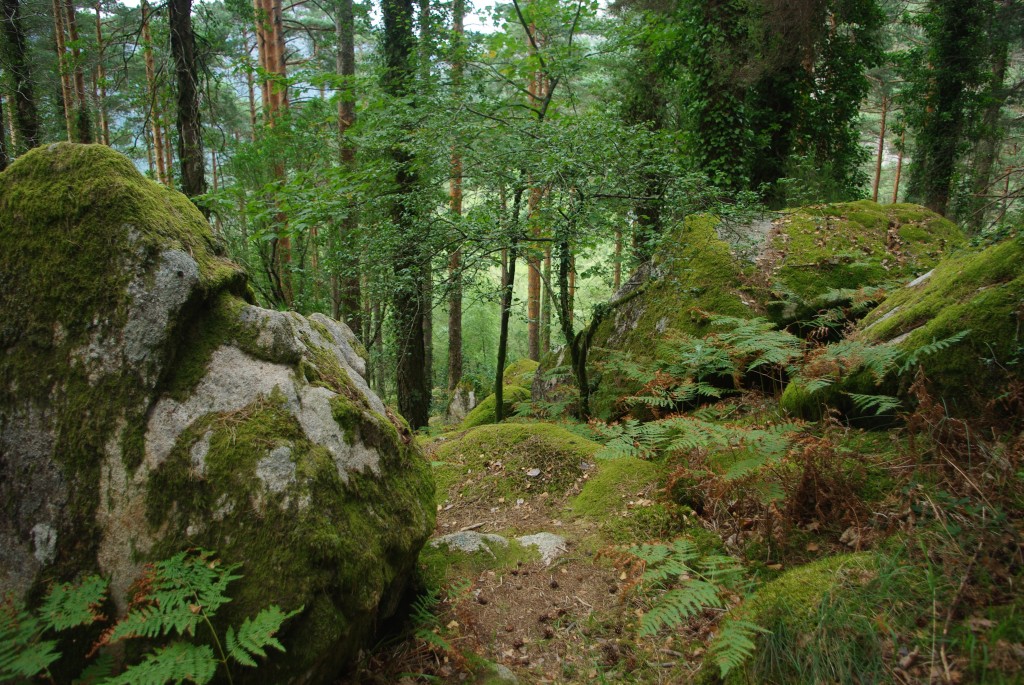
(173, 600)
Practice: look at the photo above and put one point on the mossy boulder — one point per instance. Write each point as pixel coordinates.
(146, 407)
(980, 292)
(622, 496)
(520, 373)
(485, 412)
(825, 256)
(693, 277)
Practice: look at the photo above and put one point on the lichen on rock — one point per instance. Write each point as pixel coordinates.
(147, 406)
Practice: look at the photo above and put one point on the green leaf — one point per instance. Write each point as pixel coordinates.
(179, 662)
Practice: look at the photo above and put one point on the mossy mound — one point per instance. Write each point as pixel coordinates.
(796, 609)
(977, 291)
(621, 498)
(484, 413)
(148, 408)
(825, 256)
(498, 460)
(520, 373)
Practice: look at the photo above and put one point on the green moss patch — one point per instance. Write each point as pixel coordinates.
(520, 373)
(832, 255)
(484, 413)
(440, 566)
(496, 460)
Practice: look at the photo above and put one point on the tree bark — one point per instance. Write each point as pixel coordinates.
(987, 148)
(3, 136)
(881, 150)
(617, 263)
(455, 193)
(15, 54)
(899, 170)
(62, 64)
(82, 117)
(406, 261)
(101, 80)
(346, 282)
(250, 83)
(190, 130)
(154, 100)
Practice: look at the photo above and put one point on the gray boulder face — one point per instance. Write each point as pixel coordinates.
(146, 406)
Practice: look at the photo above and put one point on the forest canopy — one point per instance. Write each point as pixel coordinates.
(418, 170)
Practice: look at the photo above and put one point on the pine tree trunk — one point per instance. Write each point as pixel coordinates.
(15, 57)
(617, 264)
(455, 192)
(154, 99)
(407, 260)
(899, 170)
(347, 297)
(62, 65)
(881, 150)
(101, 80)
(545, 303)
(190, 130)
(3, 136)
(82, 117)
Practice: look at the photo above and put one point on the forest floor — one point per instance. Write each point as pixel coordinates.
(890, 568)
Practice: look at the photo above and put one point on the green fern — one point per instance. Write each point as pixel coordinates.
(179, 662)
(879, 404)
(175, 596)
(692, 582)
(256, 634)
(677, 606)
(734, 644)
(914, 356)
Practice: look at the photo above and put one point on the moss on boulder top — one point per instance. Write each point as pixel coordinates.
(823, 256)
(485, 412)
(147, 407)
(520, 373)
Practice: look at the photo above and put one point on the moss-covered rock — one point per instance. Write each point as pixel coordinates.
(484, 413)
(147, 408)
(498, 460)
(520, 373)
(824, 256)
(980, 292)
(977, 291)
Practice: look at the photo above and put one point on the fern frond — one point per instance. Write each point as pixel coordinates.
(734, 644)
(256, 634)
(676, 606)
(179, 662)
(914, 356)
(21, 661)
(879, 404)
(67, 606)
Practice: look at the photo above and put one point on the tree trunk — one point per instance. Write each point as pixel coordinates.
(455, 193)
(407, 260)
(987, 148)
(533, 267)
(62, 65)
(82, 117)
(15, 56)
(3, 136)
(154, 100)
(545, 302)
(250, 83)
(899, 170)
(101, 80)
(347, 295)
(881, 150)
(190, 130)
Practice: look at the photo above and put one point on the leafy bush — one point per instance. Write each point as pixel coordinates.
(173, 599)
